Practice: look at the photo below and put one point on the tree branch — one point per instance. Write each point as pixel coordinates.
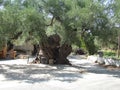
(17, 35)
(51, 23)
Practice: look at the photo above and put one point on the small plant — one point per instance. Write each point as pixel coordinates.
(111, 54)
(108, 53)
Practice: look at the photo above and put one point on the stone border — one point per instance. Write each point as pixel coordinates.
(105, 61)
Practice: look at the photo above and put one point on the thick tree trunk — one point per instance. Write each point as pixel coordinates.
(118, 51)
(64, 51)
(52, 50)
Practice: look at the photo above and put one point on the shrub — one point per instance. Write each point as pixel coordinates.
(109, 53)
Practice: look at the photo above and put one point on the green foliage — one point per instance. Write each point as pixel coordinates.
(90, 46)
(27, 20)
(1, 1)
(3, 42)
(109, 53)
(78, 22)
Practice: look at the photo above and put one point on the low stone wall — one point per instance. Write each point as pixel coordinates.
(105, 61)
(24, 49)
(92, 58)
(109, 61)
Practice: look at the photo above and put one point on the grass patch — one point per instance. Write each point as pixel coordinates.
(111, 54)
(106, 53)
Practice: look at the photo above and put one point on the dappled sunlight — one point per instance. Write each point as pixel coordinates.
(82, 72)
(39, 73)
(31, 73)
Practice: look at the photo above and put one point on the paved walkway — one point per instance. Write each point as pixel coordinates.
(83, 75)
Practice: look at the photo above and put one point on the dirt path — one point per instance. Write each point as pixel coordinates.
(83, 75)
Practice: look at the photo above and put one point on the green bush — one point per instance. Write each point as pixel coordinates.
(111, 54)
(90, 46)
(106, 53)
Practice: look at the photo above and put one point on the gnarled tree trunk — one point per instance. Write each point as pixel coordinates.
(64, 51)
(52, 50)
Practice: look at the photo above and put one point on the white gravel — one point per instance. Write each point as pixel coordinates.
(83, 75)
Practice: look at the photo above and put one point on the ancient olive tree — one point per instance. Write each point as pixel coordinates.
(55, 25)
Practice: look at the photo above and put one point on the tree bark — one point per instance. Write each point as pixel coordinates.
(52, 50)
(118, 51)
(64, 51)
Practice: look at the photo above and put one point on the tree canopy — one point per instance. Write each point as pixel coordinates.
(87, 24)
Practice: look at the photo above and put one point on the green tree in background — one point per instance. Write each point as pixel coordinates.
(58, 24)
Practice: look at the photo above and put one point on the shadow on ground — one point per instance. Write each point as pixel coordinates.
(44, 73)
(98, 69)
(39, 73)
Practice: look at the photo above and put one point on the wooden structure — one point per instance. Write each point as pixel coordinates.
(4, 53)
(12, 54)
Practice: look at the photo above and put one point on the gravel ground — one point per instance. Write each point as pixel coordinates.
(82, 75)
